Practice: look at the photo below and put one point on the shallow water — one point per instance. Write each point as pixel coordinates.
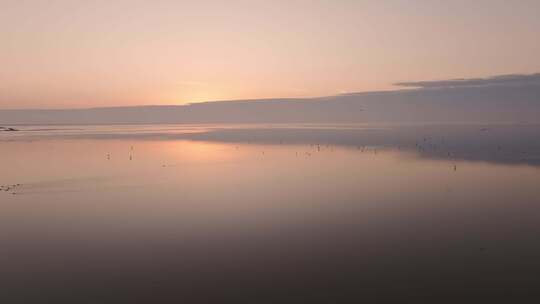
(269, 213)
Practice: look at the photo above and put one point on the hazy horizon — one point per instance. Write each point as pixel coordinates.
(490, 80)
(497, 99)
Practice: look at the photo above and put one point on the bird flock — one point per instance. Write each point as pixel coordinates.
(10, 188)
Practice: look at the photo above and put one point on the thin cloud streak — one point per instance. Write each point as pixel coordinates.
(511, 79)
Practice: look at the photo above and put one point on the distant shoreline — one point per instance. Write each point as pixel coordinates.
(461, 104)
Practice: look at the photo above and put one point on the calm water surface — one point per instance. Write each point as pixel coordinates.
(155, 214)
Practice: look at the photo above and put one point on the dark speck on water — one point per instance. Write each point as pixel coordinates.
(8, 188)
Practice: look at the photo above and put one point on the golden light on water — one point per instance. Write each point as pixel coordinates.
(182, 151)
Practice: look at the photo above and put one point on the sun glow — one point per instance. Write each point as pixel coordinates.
(191, 92)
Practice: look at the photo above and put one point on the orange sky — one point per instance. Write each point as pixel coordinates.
(74, 53)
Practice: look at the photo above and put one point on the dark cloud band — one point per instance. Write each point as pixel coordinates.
(514, 79)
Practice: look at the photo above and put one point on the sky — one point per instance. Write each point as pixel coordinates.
(76, 54)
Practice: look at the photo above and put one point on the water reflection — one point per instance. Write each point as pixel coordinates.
(511, 144)
(283, 218)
